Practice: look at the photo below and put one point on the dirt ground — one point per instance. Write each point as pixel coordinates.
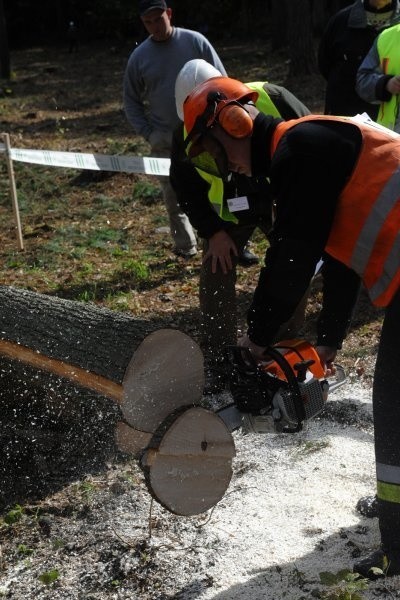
(77, 520)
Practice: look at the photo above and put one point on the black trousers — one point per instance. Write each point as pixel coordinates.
(386, 408)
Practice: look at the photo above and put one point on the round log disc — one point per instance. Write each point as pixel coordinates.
(191, 468)
(165, 373)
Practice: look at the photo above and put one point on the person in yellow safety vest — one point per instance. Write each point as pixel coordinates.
(225, 214)
(336, 186)
(378, 77)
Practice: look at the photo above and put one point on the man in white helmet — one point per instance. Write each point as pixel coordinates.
(225, 214)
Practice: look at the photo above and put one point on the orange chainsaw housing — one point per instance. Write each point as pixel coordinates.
(295, 351)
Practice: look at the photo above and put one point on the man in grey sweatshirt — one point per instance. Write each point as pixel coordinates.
(149, 96)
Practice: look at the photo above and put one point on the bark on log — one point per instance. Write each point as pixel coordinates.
(95, 348)
(188, 462)
(96, 339)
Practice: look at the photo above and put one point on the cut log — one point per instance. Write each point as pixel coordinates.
(95, 339)
(95, 348)
(189, 466)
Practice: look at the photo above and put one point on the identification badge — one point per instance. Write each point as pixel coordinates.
(239, 203)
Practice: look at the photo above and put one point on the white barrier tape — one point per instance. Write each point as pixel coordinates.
(95, 162)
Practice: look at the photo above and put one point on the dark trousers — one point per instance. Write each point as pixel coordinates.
(386, 408)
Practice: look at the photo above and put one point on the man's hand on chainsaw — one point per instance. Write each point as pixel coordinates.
(221, 247)
(327, 355)
(257, 351)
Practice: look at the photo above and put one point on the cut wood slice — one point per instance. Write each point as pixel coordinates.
(190, 469)
(165, 373)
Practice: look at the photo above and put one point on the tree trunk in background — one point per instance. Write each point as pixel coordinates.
(5, 67)
(300, 38)
(320, 15)
(278, 24)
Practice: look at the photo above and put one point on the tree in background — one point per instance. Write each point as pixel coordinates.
(5, 67)
(300, 38)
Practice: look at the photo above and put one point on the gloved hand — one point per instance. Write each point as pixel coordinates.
(257, 351)
(327, 355)
(220, 250)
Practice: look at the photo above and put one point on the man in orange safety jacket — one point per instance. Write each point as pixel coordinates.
(336, 183)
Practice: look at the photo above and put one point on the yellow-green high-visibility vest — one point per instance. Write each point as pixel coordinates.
(216, 190)
(389, 55)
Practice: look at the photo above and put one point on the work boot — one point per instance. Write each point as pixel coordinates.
(379, 564)
(247, 258)
(187, 254)
(367, 506)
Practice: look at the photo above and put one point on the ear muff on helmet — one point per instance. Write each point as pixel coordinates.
(203, 105)
(235, 121)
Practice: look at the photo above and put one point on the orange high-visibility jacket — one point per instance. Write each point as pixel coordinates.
(365, 234)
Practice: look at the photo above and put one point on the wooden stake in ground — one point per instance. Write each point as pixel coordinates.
(13, 191)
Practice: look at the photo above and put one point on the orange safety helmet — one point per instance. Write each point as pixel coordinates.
(219, 99)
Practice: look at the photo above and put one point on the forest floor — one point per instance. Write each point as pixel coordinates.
(102, 237)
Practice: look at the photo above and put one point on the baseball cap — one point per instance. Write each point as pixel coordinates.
(146, 6)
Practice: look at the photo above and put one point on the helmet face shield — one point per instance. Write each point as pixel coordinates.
(214, 106)
(208, 154)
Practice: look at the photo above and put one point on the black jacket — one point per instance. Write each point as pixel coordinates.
(308, 171)
(343, 46)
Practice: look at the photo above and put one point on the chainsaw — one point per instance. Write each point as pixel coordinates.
(280, 393)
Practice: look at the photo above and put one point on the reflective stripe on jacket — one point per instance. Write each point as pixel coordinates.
(388, 50)
(365, 233)
(216, 191)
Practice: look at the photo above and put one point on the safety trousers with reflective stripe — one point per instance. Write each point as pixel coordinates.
(386, 407)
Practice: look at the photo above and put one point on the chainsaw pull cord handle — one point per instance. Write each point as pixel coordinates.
(293, 386)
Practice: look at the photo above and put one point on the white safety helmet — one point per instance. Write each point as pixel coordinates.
(192, 73)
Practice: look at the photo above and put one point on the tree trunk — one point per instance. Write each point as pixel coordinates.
(98, 340)
(301, 46)
(5, 67)
(320, 15)
(278, 24)
(52, 429)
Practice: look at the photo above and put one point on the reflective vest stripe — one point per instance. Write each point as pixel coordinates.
(375, 221)
(388, 485)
